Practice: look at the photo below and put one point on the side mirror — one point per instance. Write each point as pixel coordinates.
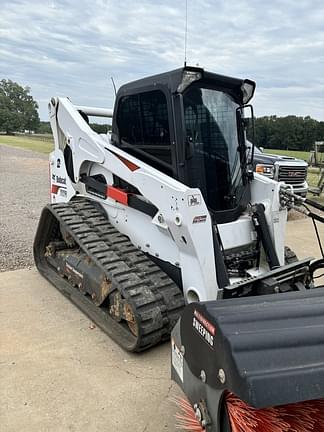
(261, 149)
(245, 116)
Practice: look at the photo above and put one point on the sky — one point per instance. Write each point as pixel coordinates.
(72, 48)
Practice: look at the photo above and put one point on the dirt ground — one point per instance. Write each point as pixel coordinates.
(57, 372)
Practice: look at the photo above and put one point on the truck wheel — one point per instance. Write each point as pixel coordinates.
(290, 256)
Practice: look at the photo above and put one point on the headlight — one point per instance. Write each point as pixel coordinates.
(266, 170)
(188, 77)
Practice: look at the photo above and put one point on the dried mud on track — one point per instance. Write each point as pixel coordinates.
(24, 191)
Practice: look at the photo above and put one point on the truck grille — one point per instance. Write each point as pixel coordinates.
(292, 175)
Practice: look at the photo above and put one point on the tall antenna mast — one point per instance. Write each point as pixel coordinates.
(186, 35)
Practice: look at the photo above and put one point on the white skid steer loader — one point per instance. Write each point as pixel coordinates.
(166, 212)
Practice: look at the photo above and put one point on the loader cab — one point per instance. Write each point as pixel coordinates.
(188, 124)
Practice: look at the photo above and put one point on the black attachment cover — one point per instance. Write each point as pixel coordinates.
(268, 350)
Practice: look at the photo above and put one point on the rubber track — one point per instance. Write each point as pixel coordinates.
(156, 300)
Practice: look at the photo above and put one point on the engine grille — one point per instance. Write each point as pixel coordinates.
(292, 174)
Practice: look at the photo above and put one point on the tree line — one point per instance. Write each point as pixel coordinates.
(287, 133)
(19, 112)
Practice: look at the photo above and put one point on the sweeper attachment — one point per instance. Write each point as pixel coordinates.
(236, 359)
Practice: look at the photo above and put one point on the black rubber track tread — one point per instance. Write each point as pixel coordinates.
(156, 300)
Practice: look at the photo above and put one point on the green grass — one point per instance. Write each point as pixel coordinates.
(38, 144)
(312, 180)
(313, 176)
(304, 155)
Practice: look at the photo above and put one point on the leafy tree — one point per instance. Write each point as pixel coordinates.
(18, 110)
(44, 128)
(288, 133)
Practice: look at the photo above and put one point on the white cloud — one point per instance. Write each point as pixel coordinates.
(63, 47)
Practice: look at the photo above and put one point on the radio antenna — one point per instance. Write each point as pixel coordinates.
(113, 83)
(186, 36)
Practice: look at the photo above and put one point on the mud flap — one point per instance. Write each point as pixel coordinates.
(267, 350)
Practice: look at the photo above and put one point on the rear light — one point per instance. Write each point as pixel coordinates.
(55, 189)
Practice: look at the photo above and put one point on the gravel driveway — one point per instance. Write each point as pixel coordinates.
(24, 191)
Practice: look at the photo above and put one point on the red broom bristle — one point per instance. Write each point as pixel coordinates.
(319, 421)
(300, 417)
(244, 418)
(186, 419)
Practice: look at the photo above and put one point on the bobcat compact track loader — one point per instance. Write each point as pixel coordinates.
(166, 212)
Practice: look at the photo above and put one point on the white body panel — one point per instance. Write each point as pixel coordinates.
(181, 232)
(238, 233)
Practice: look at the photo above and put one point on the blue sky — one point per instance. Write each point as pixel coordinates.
(72, 48)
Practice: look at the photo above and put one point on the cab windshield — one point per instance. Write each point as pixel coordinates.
(212, 147)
